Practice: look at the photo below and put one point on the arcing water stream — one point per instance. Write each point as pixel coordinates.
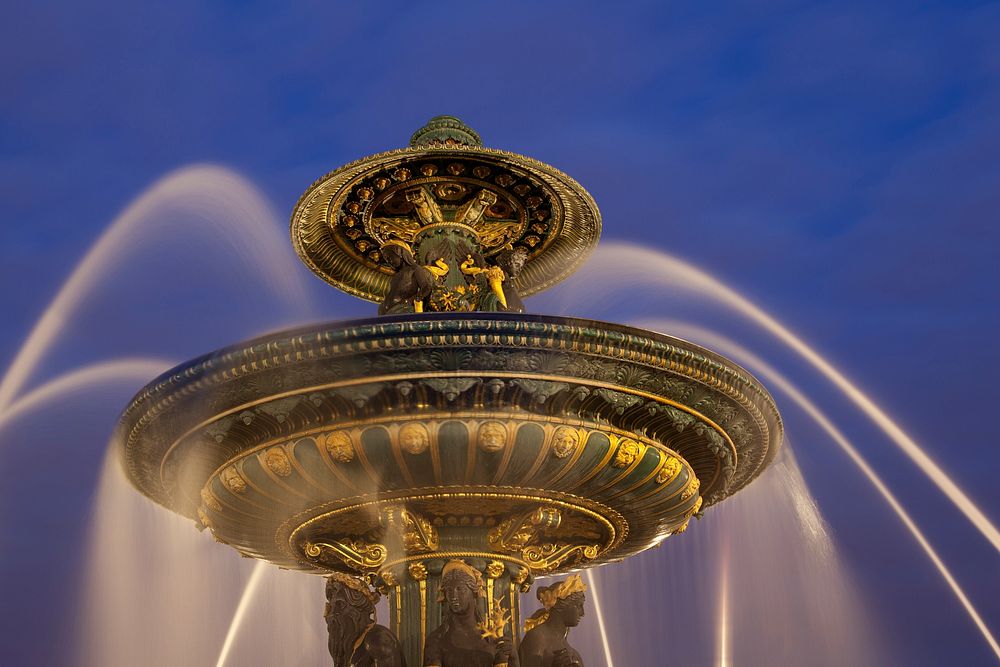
(757, 582)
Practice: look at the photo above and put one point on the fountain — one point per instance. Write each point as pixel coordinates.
(454, 448)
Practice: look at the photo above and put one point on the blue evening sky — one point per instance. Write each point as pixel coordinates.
(836, 162)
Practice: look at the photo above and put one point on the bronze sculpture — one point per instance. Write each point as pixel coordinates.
(544, 643)
(460, 640)
(385, 450)
(511, 261)
(354, 638)
(410, 284)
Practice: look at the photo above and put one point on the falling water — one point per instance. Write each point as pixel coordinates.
(780, 383)
(616, 266)
(138, 370)
(756, 582)
(160, 593)
(195, 222)
(723, 649)
(202, 202)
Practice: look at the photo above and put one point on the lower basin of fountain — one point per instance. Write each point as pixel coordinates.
(386, 449)
(313, 436)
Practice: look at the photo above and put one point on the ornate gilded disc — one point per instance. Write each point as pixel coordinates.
(444, 178)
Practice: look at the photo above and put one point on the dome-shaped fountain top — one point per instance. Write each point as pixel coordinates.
(445, 178)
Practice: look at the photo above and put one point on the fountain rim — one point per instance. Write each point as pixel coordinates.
(661, 337)
(581, 221)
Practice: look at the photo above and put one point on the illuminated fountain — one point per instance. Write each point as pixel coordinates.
(452, 439)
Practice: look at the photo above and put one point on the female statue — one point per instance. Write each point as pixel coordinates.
(458, 641)
(544, 643)
(354, 638)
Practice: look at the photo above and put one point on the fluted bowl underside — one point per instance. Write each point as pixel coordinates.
(315, 436)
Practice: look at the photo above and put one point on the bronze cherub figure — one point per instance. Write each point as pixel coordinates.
(411, 283)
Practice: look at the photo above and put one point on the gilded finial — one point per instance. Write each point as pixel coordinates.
(445, 131)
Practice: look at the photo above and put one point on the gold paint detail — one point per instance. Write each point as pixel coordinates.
(399, 611)
(628, 451)
(344, 214)
(361, 585)
(210, 500)
(339, 446)
(312, 526)
(669, 470)
(494, 569)
(692, 488)
(515, 533)
(233, 480)
(413, 438)
(547, 557)
(520, 578)
(455, 554)
(566, 440)
(443, 374)
(492, 627)
(277, 460)
(515, 621)
(422, 586)
(492, 437)
(417, 533)
(354, 553)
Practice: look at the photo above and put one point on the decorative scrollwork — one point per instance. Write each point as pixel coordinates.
(354, 553)
(417, 533)
(547, 557)
(514, 534)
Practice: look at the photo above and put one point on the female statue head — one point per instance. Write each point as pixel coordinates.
(562, 602)
(461, 586)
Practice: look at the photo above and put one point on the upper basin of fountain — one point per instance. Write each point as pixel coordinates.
(444, 178)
